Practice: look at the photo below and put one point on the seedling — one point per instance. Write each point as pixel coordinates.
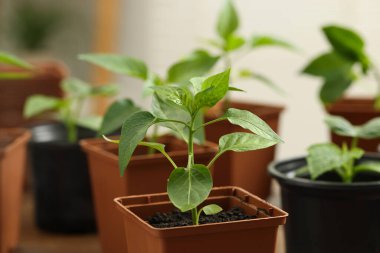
(196, 64)
(346, 62)
(11, 60)
(231, 46)
(329, 157)
(177, 107)
(68, 109)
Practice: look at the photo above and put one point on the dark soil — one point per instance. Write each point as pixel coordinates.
(178, 219)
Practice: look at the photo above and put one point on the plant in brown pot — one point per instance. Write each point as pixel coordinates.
(146, 164)
(59, 167)
(12, 166)
(236, 168)
(193, 216)
(344, 64)
(333, 193)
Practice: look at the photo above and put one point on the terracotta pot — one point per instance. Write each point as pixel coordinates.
(357, 111)
(45, 80)
(327, 215)
(254, 235)
(145, 174)
(12, 170)
(244, 169)
(61, 182)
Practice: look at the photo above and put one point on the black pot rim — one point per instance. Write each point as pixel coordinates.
(307, 183)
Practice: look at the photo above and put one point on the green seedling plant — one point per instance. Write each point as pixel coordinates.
(231, 46)
(177, 107)
(197, 63)
(345, 63)
(68, 109)
(7, 59)
(329, 157)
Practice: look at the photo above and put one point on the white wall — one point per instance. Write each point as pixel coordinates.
(161, 31)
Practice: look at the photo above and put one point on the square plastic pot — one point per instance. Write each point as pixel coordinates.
(254, 235)
(247, 170)
(145, 174)
(12, 171)
(45, 80)
(357, 111)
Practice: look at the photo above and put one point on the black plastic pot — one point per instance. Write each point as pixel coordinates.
(328, 216)
(61, 181)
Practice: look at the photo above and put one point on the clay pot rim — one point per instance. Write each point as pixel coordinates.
(326, 185)
(125, 208)
(21, 135)
(95, 145)
(364, 105)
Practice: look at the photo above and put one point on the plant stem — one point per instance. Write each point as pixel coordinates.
(376, 74)
(190, 162)
(153, 139)
(194, 214)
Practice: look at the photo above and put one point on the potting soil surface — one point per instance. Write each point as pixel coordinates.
(178, 219)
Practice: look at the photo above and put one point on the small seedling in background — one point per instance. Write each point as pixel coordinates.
(231, 46)
(7, 59)
(68, 109)
(177, 107)
(346, 62)
(329, 157)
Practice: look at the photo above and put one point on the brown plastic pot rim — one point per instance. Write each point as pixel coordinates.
(283, 178)
(362, 105)
(278, 219)
(22, 136)
(94, 145)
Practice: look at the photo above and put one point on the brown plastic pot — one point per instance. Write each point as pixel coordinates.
(145, 174)
(358, 111)
(45, 80)
(12, 169)
(244, 169)
(254, 235)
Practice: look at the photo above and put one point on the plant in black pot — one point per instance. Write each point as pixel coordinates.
(346, 63)
(333, 194)
(60, 174)
(236, 219)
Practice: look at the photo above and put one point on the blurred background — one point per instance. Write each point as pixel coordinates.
(162, 31)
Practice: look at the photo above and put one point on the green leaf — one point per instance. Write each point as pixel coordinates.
(368, 166)
(323, 158)
(235, 89)
(250, 121)
(330, 66)
(165, 110)
(15, 75)
(347, 43)
(179, 96)
(37, 104)
(377, 102)
(341, 126)
(116, 114)
(105, 90)
(188, 188)
(214, 88)
(234, 42)
(152, 81)
(199, 63)
(370, 130)
(332, 90)
(212, 209)
(118, 64)
(133, 131)
(199, 135)
(12, 60)
(265, 80)
(159, 147)
(76, 87)
(90, 122)
(228, 20)
(265, 41)
(241, 142)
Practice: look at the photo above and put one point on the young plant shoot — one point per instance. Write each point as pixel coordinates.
(7, 59)
(198, 63)
(329, 157)
(177, 107)
(346, 62)
(68, 109)
(231, 46)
